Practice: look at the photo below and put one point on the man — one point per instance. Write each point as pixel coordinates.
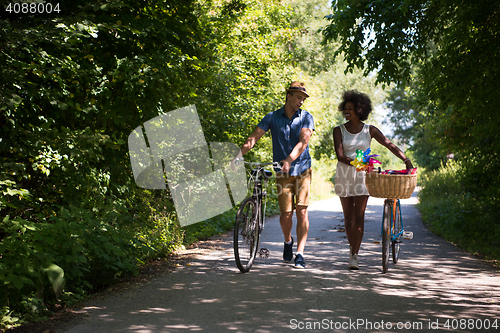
(291, 128)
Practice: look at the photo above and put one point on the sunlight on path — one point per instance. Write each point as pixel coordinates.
(433, 282)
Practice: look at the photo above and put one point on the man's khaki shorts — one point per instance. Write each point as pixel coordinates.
(293, 190)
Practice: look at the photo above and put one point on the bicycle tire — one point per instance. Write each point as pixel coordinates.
(396, 230)
(386, 235)
(246, 235)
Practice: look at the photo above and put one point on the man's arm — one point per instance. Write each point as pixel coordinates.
(252, 140)
(305, 135)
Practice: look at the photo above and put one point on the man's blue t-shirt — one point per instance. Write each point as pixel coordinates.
(285, 134)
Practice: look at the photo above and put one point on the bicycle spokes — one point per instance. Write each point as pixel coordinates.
(246, 235)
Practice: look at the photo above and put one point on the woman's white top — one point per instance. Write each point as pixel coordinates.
(348, 181)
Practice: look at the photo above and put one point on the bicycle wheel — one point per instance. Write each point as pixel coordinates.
(246, 235)
(397, 226)
(386, 235)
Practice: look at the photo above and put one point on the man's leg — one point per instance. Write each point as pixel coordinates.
(286, 225)
(285, 201)
(302, 227)
(302, 189)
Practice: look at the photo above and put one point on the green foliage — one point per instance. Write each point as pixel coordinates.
(210, 227)
(71, 252)
(247, 76)
(75, 84)
(457, 205)
(391, 36)
(159, 231)
(411, 128)
(448, 54)
(400, 29)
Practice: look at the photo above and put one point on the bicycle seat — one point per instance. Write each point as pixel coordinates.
(266, 174)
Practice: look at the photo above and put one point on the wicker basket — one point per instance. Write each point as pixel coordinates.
(390, 186)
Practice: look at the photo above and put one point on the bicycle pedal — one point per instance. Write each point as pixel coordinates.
(408, 235)
(264, 253)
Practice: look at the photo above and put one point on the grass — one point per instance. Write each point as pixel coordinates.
(456, 205)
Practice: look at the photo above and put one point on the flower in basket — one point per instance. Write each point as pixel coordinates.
(364, 161)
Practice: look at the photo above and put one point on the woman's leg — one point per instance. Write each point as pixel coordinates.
(348, 208)
(354, 220)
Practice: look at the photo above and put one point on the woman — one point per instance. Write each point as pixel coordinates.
(350, 184)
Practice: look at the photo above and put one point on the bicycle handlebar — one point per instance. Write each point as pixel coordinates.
(276, 165)
(410, 171)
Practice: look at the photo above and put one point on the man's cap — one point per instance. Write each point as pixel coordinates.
(297, 86)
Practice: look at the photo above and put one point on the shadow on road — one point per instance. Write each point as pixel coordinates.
(434, 283)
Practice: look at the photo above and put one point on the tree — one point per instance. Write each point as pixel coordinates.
(77, 83)
(409, 121)
(452, 47)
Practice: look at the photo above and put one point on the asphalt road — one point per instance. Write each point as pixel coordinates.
(434, 287)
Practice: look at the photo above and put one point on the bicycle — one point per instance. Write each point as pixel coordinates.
(392, 232)
(392, 187)
(250, 218)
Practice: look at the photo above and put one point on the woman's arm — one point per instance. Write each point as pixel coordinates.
(377, 135)
(339, 149)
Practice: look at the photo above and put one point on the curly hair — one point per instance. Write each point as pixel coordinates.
(362, 103)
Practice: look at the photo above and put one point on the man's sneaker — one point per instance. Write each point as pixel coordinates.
(288, 252)
(354, 262)
(299, 261)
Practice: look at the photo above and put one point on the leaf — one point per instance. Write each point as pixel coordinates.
(13, 279)
(16, 99)
(56, 278)
(18, 283)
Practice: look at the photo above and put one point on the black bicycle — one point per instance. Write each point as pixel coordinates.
(250, 219)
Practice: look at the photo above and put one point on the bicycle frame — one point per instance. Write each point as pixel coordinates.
(258, 193)
(394, 203)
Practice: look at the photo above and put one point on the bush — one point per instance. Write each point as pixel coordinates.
(64, 256)
(460, 203)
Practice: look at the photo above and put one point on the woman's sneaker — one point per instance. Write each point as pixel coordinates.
(288, 252)
(354, 261)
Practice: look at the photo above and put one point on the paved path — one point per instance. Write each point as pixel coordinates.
(434, 283)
